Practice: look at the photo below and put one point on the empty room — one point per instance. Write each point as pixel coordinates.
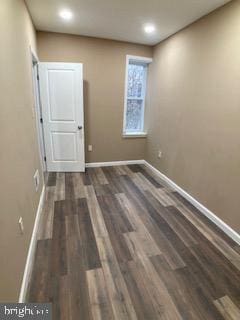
(119, 194)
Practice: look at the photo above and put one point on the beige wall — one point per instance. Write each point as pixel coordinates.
(194, 111)
(19, 152)
(193, 116)
(104, 77)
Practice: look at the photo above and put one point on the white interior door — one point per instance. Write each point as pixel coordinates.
(61, 87)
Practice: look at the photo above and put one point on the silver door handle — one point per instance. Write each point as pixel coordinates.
(79, 127)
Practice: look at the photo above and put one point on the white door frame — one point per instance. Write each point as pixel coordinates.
(38, 108)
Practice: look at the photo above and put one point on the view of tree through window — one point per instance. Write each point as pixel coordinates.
(136, 75)
(135, 97)
(134, 115)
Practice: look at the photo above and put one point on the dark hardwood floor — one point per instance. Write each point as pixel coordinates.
(115, 243)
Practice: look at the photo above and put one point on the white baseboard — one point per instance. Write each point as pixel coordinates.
(113, 163)
(31, 251)
(210, 215)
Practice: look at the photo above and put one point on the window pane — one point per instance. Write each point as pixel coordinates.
(136, 77)
(134, 115)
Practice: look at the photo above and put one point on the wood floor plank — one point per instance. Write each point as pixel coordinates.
(100, 304)
(59, 258)
(119, 170)
(60, 187)
(128, 171)
(92, 173)
(237, 248)
(227, 308)
(117, 290)
(138, 290)
(100, 229)
(59, 297)
(78, 186)
(179, 294)
(148, 244)
(178, 228)
(135, 167)
(140, 183)
(79, 297)
(214, 266)
(159, 193)
(181, 226)
(101, 190)
(112, 179)
(200, 299)
(69, 185)
(149, 177)
(54, 295)
(85, 178)
(101, 176)
(115, 213)
(39, 285)
(156, 177)
(163, 197)
(52, 178)
(127, 207)
(114, 231)
(200, 275)
(78, 288)
(163, 304)
(64, 299)
(87, 237)
(144, 183)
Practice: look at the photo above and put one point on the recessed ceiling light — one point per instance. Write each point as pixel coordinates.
(149, 28)
(66, 14)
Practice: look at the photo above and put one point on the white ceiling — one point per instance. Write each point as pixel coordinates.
(120, 19)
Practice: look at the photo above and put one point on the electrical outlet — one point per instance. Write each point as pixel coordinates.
(36, 180)
(159, 154)
(21, 226)
(90, 147)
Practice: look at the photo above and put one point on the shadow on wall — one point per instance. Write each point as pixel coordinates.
(86, 115)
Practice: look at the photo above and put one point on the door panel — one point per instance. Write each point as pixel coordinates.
(61, 95)
(61, 86)
(64, 146)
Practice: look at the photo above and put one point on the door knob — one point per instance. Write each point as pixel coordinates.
(79, 127)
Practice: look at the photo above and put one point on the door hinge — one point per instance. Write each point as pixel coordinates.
(41, 120)
(45, 159)
(38, 77)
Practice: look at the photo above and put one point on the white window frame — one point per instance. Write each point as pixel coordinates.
(142, 133)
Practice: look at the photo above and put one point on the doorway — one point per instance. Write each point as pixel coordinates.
(58, 92)
(61, 90)
(38, 110)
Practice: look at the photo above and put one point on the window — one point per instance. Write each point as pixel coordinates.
(136, 78)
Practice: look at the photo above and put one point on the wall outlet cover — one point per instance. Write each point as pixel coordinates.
(36, 180)
(90, 148)
(21, 226)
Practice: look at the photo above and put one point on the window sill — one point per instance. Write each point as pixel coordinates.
(134, 135)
